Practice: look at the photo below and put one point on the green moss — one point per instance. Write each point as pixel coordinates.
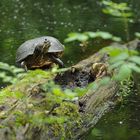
(67, 109)
(37, 101)
(32, 77)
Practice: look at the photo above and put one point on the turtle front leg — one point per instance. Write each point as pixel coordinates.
(57, 61)
(23, 65)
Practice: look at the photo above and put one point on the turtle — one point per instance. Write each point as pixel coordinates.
(39, 52)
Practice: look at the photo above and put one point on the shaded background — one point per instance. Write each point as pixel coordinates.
(25, 19)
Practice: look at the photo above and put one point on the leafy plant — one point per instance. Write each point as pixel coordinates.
(124, 60)
(119, 10)
(137, 34)
(9, 73)
(126, 88)
(90, 35)
(84, 37)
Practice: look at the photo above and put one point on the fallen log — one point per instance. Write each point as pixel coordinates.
(32, 109)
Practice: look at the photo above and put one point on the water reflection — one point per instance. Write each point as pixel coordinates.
(121, 124)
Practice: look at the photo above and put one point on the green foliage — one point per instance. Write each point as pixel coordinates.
(85, 36)
(9, 74)
(124, 61)
(137, 34)
(96, 132)
(76, 36)
(5, 94)
(121, 10)
(125, 89)
(12, 74)
(124, 72)
(56, 90)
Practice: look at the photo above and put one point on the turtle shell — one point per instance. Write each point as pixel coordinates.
(27, 48)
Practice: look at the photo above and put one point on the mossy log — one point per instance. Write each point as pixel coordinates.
(29, 110)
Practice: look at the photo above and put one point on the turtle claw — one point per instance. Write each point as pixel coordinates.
(23, 65)
(73, 69)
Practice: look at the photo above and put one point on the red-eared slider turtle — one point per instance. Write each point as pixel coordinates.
(39, 52)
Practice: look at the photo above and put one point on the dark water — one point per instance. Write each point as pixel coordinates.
(25, 19)
(123, 123)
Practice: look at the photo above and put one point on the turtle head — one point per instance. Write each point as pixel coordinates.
(42, 48)
(46, 46)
